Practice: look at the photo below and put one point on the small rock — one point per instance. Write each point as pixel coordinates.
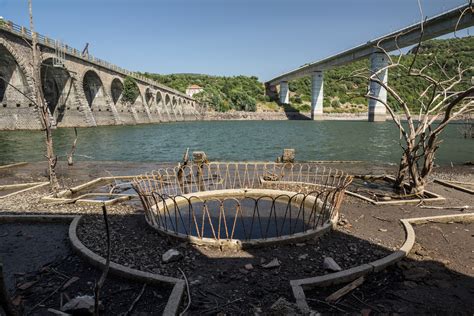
(195, 282)
(248, 266)
(343, 222)
(330, 264)
(303, 257)
(444, 261)
(171, 255)
(272, 264)
(300, 244)
(288, 155)
(352, 247)
(80, 305)
(383, 230)
(282, 308)
(422, 252)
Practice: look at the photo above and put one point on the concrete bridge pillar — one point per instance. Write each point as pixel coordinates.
(284, 93)
(377, 110)
(317, 95)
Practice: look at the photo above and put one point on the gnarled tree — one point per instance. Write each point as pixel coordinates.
(445, 94)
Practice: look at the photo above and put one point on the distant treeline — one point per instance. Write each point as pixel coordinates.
(220, 93)
(243, 92)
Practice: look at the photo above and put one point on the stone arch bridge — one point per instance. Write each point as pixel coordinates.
(80, 90)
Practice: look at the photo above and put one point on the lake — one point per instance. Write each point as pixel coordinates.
(232, 141)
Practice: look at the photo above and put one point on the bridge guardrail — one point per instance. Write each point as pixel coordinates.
(46, 41)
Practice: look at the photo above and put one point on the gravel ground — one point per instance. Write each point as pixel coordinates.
(221, 283)
(38, 263)
(437, 277)
(211, 270)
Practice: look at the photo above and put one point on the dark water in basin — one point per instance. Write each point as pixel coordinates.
(232, 140)
(250, 220)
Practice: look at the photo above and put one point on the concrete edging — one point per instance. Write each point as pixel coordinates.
(23, 187)
(454, 185)
(17, 164)
(177, 292)
(65, 195)
(299, 286)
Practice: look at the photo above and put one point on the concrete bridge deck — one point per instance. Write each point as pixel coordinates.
(80, 89)
(441, 24)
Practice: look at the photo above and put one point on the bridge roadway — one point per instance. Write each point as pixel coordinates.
(80, 90)
(433, 27)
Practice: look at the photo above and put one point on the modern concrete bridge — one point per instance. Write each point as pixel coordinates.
(80, 90)
(434, 27)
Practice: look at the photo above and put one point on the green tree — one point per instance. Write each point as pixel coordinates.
(130, 90)
(242, 101)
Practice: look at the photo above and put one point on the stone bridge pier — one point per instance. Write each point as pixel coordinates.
(80, 91)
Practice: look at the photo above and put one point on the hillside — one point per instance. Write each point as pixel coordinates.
(221, 93)
(247, 93)
(345, 95)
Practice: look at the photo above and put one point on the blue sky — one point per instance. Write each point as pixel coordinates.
(219, 37)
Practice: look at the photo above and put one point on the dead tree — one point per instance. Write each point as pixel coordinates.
(40, 101)
(70, 155)
(442, 100)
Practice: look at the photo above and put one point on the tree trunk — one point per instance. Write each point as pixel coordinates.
(402, 172)
(52, 159)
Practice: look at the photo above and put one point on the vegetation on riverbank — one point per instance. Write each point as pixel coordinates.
(247, 93)
(221, 93)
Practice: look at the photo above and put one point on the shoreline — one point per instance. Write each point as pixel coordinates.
(281, 116)
(258, 116)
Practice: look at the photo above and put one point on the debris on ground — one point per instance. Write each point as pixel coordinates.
(331, 265)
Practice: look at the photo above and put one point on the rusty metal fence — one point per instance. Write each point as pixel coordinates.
(244, 202)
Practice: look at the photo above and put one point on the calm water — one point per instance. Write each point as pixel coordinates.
(232, 140)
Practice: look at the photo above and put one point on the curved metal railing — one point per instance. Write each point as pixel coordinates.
(245, 202)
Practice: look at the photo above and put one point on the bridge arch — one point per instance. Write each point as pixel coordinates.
(15, 75)
(168, 106)
(181, 106)
(159, 104)
(58, 88)
(149, 97)
(93, 89)
(174, 106)
(116, 90)
(159, 98)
